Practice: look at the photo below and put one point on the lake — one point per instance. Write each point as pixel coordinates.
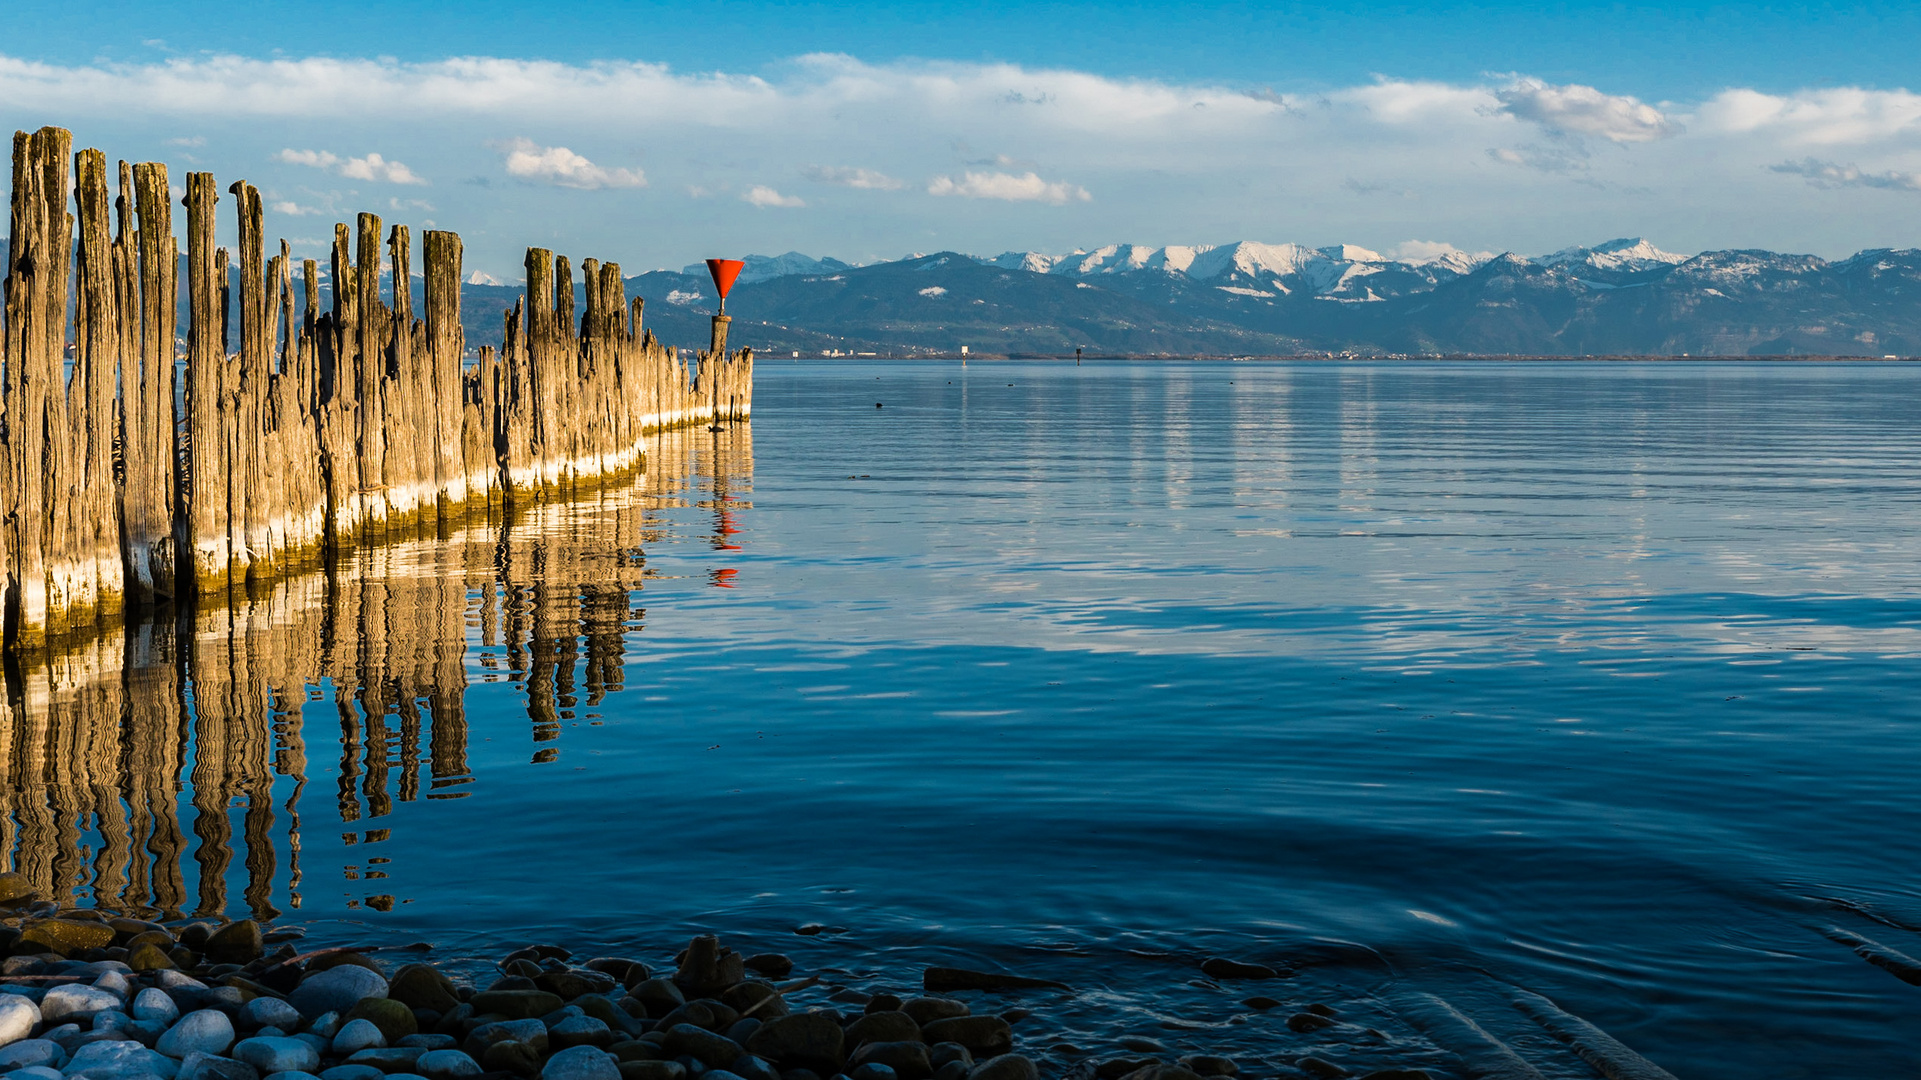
(1596, 680)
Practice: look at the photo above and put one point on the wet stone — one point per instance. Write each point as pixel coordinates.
(66, 936)
(395, 1020)
(388, 1059)
(421, 986)
(940, 1054)
(28, 1052)
(1304, 1022)
(908, 1059)
(579, 1031)
(511, 1056)
(1261, 1003)
(1397, 1074)
(148, 957)
(269, 1012)
(1320, 1069)
(660, 996)
(568, 985)
(1210, 1065)
(117, 1059)
(652, 1070)
(985, 1036)
(773, 965)
(446, 1065)
(204, 1031)
(1006, 1067)
(805, 1039)
(431, 1042)
(749, 1067)
(352, 1072)
(1140, 1044)
(883, 1027)
(337, 989)
(236, 943)
(210, 1067)
(357, 1035)
(580, 1063)
(871, 1071)
(926, 1010)
(65, 1003)
(272, 1055)
(516, 1004)
(704, 1046)
(1158, 1071)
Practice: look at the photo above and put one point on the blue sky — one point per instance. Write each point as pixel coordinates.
(655, 134)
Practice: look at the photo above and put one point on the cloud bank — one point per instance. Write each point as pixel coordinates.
(992, 156)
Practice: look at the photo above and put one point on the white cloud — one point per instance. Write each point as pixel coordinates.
(372, 167)
(1582, 110)
(1835, 116)
(294, 209)
(866, 179)
(762, 195)
(1420, 251)
(1827, 174)
(561, 167)
(1028, 187)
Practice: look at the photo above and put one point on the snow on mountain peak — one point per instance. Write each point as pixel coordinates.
(1627, 253)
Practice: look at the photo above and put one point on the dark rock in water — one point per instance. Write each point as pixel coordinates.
(236, 943)
(1015, 1016)
(850, 996)
(524, 968)
(660, 996)
(572, 983)
(149, 957)
(1262, 1003)
(805, 1039)
(1306, 1021)
(422, 986)
(1142, 1045)
(652, 1070)
(395, 1020)
(65, 936)
(771, 964)
(1222, 968)
(619, 968)
(908, 1059)
(1006, 1067)
(15, 889)
(1319, 1069)
(883, 1003)
(1209, 1065)
(809, 929)
(1157, 1071)
(323, 963)
(882, 1027)
(926, 1010)
(942, 1054)
(985, 1036)
(1115, 1068)
(748, 996)
(707, 968)
(871, 1071)
(712, 1050)
(1319, 1009)
(516, 1004)
(1397, 1074)
(939, 979)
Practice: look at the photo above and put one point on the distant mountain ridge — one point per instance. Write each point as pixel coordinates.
(1624, 296)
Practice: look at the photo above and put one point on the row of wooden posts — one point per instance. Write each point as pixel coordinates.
(134, 472)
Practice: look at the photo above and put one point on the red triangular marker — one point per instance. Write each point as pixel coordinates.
(724, 271)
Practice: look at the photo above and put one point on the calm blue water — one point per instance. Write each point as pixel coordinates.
(1597, 680)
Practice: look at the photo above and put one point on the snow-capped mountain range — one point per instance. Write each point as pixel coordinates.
(1337, 272)
(1624, 296)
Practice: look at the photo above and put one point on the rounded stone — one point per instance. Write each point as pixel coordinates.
(66, 936)
(579, 1031)
(652, 1070)
(277, 1054)
(580, 1063)
(430, 1042)
(270, 1012)
(35, 1072)
(357, 1035)
(291, 1076)
(352, 1072)
(805, 1039)
(69, 1003)
(706, 1047)
(926, 1010)
(885, 1026)
(236, 943)
(337, 989)
(985, 1036)
(446, 1065)
(394, 1019)
(205, 1031)
(908, 1058)
(17, 1017)
(388, 1059)
(512, 1056)
(1006, 1067)
(871, 1071)
(119, 1059)
(29, 1052)
(516, 1004)
(154, 1003)
(421, 986)
(209, 1067)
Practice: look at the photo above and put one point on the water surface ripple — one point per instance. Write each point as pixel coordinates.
(1590, 679)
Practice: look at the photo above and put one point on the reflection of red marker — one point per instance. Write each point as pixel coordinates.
(722, 579)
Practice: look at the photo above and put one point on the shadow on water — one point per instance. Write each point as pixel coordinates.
(140, 769)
